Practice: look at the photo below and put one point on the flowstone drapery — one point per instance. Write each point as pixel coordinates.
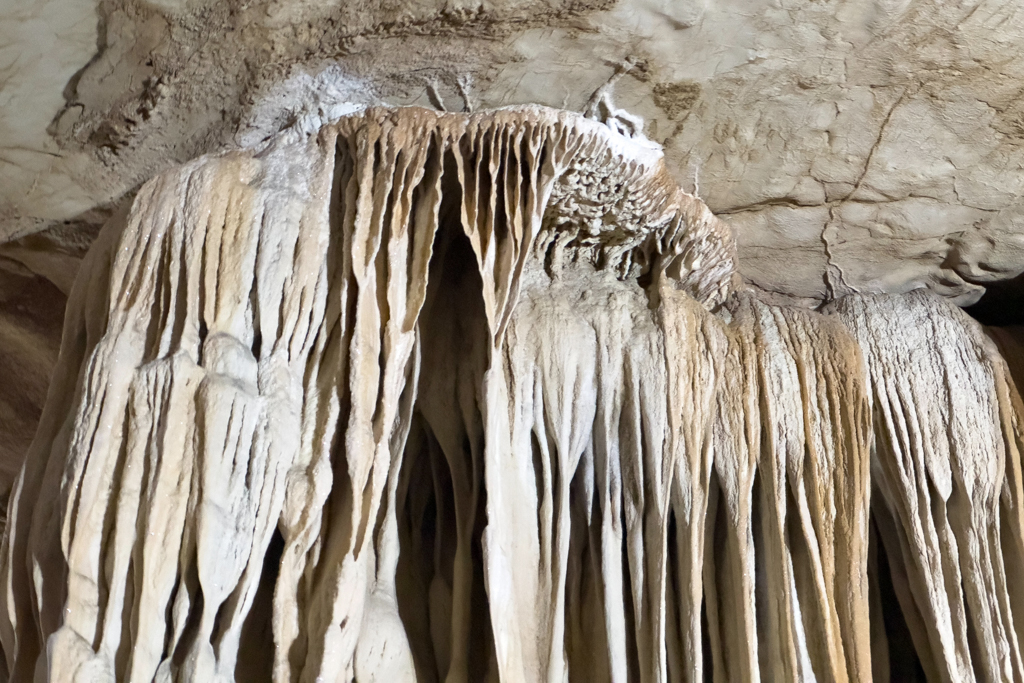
(444, 397)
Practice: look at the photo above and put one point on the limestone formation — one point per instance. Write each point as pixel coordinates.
(422, 396)
(854, 145)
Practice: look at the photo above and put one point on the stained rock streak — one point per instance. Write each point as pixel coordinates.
(429, 396)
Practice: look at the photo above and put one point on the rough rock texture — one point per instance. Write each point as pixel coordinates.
(948, 482)
(422, 396)
(31, 310)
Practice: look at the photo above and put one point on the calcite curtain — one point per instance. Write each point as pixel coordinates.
(439, 397)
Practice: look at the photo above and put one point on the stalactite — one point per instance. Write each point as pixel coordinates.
(948, 482)
(442, 397)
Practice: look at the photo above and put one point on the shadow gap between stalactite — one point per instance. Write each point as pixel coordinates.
(257, 638)
(1001, 305)
(904, 661)
(448, 443)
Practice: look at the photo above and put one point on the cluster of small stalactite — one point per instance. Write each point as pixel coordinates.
(441, 397)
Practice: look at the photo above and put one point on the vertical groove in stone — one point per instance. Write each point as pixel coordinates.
(947, 446)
